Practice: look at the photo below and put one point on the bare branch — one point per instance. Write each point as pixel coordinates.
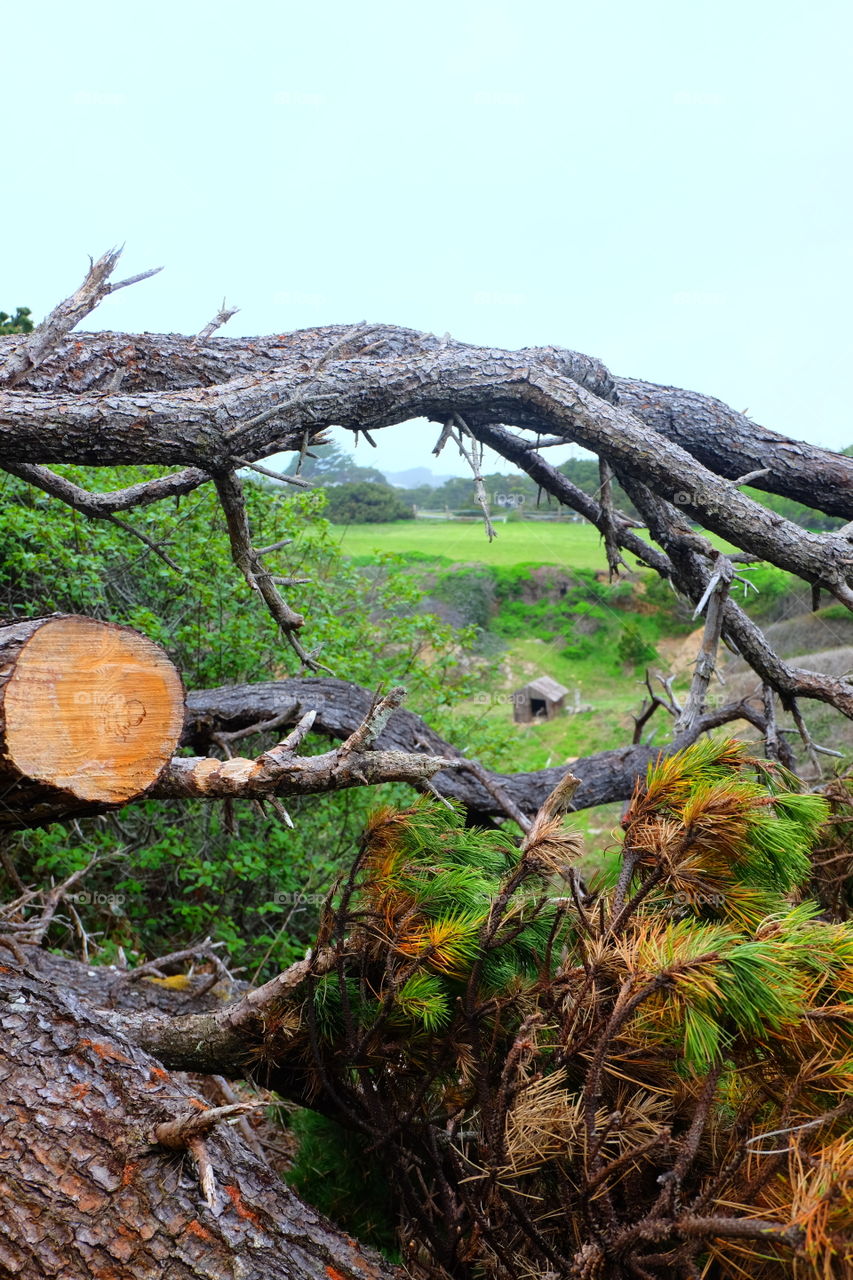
(100, 505)
(342, 708)
(35, 348)
(474, 457)
(373, 724)
(281, 772)
(221, 318)
(249, 562)
(714, 597)
(274, 475)
(608, 520)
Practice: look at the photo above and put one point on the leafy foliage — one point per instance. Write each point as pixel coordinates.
(20, 322)
(363, 502)
(648, 1079)
(331, 1174)
(170, 875)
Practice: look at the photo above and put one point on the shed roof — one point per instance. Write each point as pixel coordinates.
(545, 687)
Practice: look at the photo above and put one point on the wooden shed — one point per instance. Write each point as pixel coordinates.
(542, 699)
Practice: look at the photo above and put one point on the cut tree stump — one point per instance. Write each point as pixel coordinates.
(90, 713)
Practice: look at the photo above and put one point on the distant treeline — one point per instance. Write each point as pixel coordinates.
(359, 495)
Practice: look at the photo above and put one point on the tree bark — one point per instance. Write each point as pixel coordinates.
(214, 428)
(90, 713)
(85, 1190)
(605, 777)
(724, 441)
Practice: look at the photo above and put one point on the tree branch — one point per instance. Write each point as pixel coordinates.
(34, 349)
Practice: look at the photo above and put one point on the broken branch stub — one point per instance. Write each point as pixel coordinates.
(90, 713)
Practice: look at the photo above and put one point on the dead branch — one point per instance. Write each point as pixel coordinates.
(223, 315)
(341, 708)
(368, 392)
(725, 441)
(100, 505)
(714, 598)
(35, 347)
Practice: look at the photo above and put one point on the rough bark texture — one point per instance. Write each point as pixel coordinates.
(85, 1192)
(212, 428)
(723, 440)
(90, 713)
(604, 777)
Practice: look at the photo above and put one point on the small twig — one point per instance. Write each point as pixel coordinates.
(607, 523)
(222, 317)
(39, 927)
(282, 812)
(156, 547)
(274, 475)
(36, 347)
(260, 726)
(273, 546)
(242, 1124)
(752, 475)
(9, 867)
(772, 741)
(706, 660)
(257, 576)
(835, 1114)
(203, 951)
(497, 793)
(474, 458)
(188, 1132)
(197, 1124)
(101, 505)
(276, 755)
(813, 749)
(374, 722)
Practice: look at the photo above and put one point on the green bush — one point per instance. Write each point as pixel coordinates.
(365, 503)
(332, 1174)
(633, 649)
(174, 873)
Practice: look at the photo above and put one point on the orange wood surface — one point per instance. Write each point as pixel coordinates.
(93, 708)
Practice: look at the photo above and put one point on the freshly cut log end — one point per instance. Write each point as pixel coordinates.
(90, 713)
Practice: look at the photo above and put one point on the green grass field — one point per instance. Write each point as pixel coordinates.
(571, 545)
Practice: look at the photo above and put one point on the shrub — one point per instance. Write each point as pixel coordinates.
(362, 502)
(651, 1079)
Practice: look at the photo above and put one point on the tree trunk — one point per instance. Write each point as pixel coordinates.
(90, 712)
(86, 1191)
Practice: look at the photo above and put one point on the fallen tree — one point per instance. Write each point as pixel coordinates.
(650, 1203)
(601, 1087)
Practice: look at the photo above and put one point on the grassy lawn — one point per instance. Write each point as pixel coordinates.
(571, 545)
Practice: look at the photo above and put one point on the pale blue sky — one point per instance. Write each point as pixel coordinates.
(666, 186)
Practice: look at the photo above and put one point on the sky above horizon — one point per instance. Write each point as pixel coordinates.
(665, 186)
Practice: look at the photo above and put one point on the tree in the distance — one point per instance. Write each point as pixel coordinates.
(365, 503)
(20, 322)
